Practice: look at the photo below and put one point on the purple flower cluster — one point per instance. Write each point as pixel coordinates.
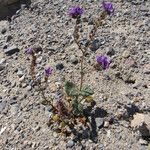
(103, 61)
(75, 11)
(29, 50)
(108, 7)
(48, 71)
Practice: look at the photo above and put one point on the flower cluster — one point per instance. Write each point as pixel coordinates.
(48, 71)
(75, 12)
(103, 61)
(29, 50)
(108, 7)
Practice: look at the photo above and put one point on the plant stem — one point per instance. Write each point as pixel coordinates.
(44, 97)
(81, 71)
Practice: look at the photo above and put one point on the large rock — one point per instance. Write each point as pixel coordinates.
(7, 2)
(141, 122)
(11, 50)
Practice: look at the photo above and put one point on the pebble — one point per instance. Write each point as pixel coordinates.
(70, 143)
(59, 66)
(73, 59)
(9, 37)
(110, 51)
(106, 124)
(20, 73)
(143, 142)
(29, 88)
(126, 54)
(2, 64)
(14, 109)
(2, 67)
(2, 105)
(22, 78)
(3, 31)
(95, 45)
(99, 122)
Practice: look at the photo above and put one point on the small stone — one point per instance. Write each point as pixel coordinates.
(110, 51)
(3, 31)
(11, 50)
(14, 109)
(29, 88)
(70, 143)
(9, 37)
(24, 85)
(53, 87)
(2, 105)
(126, 54)
(146, 69)
(129, 62)
(99, 122)
(37, 128)
(20, 73)
(73, 59)
(22, 78)
(59, 66)
(2, 67)
(55, 135)
(143, 142)
(106, 124)
(95, 45)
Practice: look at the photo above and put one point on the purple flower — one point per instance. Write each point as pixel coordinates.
(103, 60)
(29, 50)
(108, 7)
(48, 71)
(75, 11)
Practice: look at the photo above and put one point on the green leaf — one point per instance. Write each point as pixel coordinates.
(86, 91)
(71, 89)
(77, 108)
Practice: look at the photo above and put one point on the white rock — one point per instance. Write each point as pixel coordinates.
(143, 142)
(141, 122)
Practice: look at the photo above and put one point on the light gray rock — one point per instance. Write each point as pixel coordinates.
(14, 109)
(2, 105)
(73, 59)
(143, 142)
(99, 122)
(70, 143)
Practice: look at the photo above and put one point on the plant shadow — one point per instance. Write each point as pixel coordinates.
(7, 11)
(91, 131)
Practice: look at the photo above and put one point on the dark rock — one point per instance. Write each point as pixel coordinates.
(3, 31)
(2, 67)
(11, 50)
(9, 37)
(110, 51)
(59, 66)
(95, 45)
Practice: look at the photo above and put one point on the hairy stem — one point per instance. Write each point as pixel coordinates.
(41, 90)
(81, 71)
(32, 67)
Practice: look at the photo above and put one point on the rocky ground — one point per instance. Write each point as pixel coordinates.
(120, 92)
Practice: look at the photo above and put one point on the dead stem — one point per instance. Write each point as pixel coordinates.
(32, 67)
